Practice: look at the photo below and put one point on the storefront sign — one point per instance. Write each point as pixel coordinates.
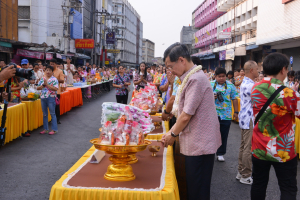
(6, 44)
(30, 54)
(6, 49)
(84, 44)
(224, 35)
(222, 55)
(240, 51)
(110, 38)
(58, 56)
(286, 1)
(49, 56)
(113, 50)
(107, 62)
(230, 54)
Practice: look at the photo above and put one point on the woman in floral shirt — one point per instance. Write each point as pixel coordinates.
(121, 82)
(49, 85)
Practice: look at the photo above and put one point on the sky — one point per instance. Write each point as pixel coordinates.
(164, 19)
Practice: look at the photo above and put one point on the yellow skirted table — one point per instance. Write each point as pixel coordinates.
(16, 121)
(239, 108)
(169, 192)
(35, 114)
(158, 136)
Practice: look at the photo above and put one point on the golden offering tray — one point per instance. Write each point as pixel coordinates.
(120, 170)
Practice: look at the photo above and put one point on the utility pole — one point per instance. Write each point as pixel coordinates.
(66, 40)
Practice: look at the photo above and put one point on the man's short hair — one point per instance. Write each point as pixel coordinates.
(274, 63)
(249, 65)
(220, 70)
(38, 61)
(53, 60)
(175, 51)
(50, 67)
(196, 60)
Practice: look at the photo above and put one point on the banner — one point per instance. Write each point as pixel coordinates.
(222, 55)
(49, 56)
(30, 54)
(84, 44)
(230, 54)
(110, 38)
(224, 35)
(113, 50)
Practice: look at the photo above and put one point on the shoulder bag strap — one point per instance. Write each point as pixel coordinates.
(121, 79)
(261, 112)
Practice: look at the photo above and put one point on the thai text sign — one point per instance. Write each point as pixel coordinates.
(113, 50)
(30, 54)
(84, 44)
(110, 38)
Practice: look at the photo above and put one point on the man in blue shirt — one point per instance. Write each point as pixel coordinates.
(224, 92)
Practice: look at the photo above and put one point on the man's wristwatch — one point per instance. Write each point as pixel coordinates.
(166, 112)
(173, 135)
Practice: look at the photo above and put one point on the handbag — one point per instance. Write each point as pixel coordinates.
(261, 112)
(128, 89)
(57, 101)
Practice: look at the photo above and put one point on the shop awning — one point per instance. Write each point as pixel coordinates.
(208, 57)
(254, 46)
(82, 56)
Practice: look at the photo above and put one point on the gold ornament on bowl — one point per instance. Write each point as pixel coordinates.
(120, 170)
(154, 149)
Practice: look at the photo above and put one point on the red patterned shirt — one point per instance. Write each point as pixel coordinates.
(274, 135)
(202, 134)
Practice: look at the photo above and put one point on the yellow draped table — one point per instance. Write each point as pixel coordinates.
(16, 121)
(35, 114)
(239, 108)
(169, 192)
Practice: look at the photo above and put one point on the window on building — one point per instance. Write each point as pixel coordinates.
(23, 12)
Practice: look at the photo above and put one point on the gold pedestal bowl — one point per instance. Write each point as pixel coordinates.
(120, 170)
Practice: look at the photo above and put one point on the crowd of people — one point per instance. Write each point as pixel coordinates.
(199, 106)
(48, 78)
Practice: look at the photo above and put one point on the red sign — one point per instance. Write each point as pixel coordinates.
(30, 54)
(49, 56)
(286, 1)
(84, 44)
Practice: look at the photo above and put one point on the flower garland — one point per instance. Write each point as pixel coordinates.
(180, 89)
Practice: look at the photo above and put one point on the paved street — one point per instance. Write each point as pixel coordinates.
(29, 167)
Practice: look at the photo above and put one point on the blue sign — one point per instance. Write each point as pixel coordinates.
(76, 26)
(291, 60)
(110, 38)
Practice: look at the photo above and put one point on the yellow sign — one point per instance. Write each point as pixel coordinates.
(207, 33)
(107, 62)
(196, 40)
(113, 50)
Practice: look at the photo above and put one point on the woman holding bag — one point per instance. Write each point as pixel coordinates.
(121, 82)
(49, 85)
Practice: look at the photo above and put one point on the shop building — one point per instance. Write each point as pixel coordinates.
(130, 33)
(278, 28)
(148, 51)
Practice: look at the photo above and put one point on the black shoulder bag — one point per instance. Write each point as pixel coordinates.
(123, 83)
(261, 112)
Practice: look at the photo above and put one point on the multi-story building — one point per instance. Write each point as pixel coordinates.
(227, 37)
(158, 61)
(187, 37)
(148, 51)
(8, 28)
(45, 22)
(278, 29)
(129, 33)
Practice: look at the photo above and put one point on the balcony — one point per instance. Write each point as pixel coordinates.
(224, 5)
(206, 12)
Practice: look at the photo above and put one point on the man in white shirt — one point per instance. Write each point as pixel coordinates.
(246, 123)
(69, 71)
